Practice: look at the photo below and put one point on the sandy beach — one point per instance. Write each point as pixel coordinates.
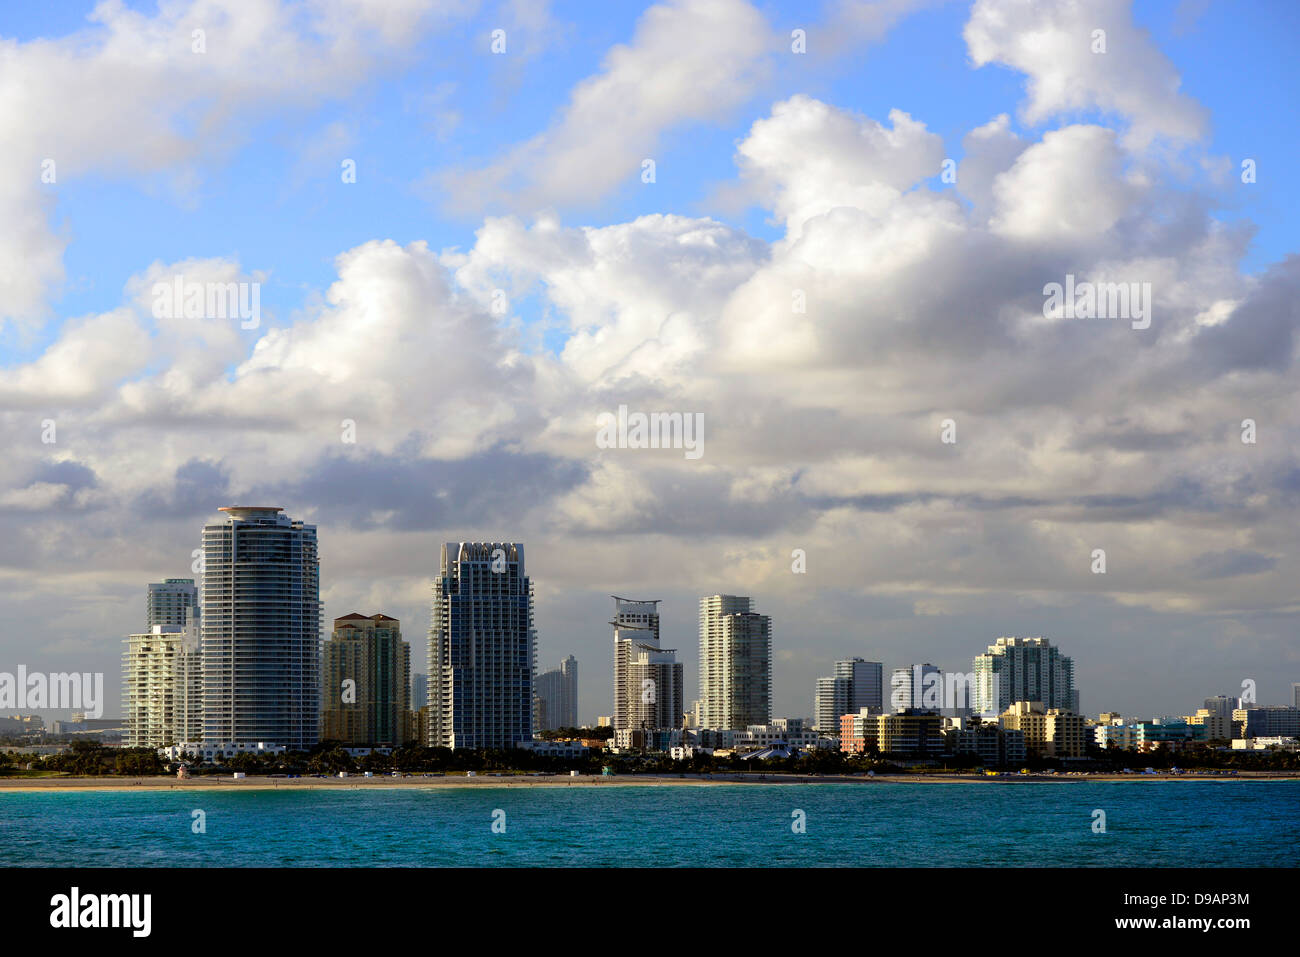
(262, 782)
(265, 783)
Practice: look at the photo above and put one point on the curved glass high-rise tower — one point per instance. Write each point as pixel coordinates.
(261, 630)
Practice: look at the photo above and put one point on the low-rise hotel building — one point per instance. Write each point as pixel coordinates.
(1149, 735)
(858, 732)
(913, 732)
(779, 733)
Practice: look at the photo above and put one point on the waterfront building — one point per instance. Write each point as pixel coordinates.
(994, 745)
(159, 688)
(657, 677)
(482, 647)
(366, 684)
(1049, 732)
(1268, 721)
(858, 731)
(214, 753)
(735, 663)
(1218, 726)
(647, 678)
(557, 696)
(647, 739)
(172, 603)
(188, 701)
(912, 732)
(1115, 734)
(260, 630)
(1067, 734)
(1024, 669)
(718, 739)
(1150, 735)
(780, 733)
(569, 750)
(908, 687)
(855, 684)
(686, 752)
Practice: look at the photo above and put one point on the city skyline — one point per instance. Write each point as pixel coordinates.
(843, 273)
(919, 380)
(233, 680)
(180, 591)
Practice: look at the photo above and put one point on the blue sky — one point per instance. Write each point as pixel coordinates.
(277, 206)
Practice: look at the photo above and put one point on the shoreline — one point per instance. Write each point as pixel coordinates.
(266, 783)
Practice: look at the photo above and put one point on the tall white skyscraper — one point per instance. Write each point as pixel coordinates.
(557, 696)
(1024, 669)
(735, 663)
(856, 684)
(482, 648)
(830, 700)
(261, 638)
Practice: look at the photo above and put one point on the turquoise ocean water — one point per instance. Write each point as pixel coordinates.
(1160, 824)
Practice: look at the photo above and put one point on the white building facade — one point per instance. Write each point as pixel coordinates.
(261, 637)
